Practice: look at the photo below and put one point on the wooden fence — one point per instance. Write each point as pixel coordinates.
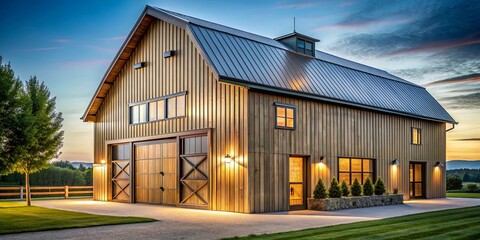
(60, 191)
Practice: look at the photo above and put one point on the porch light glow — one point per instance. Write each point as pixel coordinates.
(228, 159)
(102, 162)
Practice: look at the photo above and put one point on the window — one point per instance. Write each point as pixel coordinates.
(416, 136)
(305, 47)
(138, 113)
(359, 168)
(158, 109)
(285, 116)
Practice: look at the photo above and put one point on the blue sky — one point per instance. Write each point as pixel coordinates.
(69, 45)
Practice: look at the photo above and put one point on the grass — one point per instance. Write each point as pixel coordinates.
(463, 195)
(463, 223)
(17, 218)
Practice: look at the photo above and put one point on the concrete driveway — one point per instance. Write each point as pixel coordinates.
(181, 223)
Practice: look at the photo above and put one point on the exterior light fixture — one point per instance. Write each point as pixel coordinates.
(438, 164)
(228, 159)
(395, 162)
(168, 54)
(139, 65)
(322, 158)
(102, 162)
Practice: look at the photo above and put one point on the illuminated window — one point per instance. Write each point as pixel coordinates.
(285, 116)
(359, 168)
(416, 136)
(157, 109)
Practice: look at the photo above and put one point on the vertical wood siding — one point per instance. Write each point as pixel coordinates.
(335, 131)
(209, 104)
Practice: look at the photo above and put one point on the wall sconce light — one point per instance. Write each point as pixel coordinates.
(139, 65)
(228, 159)
(438, 164)
(102, 162)
(322, 159)
(395, 162)
(168, 54)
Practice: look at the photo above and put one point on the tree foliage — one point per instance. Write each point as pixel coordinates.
(63, 164)
(334, 190)
(320, 191)
(356, 188)
(368, 187)
(345, 190)
(454, 183)
(379, 187)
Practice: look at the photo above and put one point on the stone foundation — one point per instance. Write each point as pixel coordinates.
(331, 204)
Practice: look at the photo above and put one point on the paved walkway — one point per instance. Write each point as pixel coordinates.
(181, 223)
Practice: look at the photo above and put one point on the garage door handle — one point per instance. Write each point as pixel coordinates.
(162, 173)
(161, 188)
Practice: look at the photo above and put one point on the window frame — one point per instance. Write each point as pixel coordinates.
(130, 114)
(419, 136)
(297, 49)
(165, 110)
(362, 172)
(294, 108)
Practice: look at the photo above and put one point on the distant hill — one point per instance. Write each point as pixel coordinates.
(77, 164)
(461, 164)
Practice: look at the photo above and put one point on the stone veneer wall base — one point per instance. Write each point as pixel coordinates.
(331, 204)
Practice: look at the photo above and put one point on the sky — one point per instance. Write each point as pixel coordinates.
(70, 44)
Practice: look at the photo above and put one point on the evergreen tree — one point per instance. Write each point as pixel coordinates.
(368, 187)
(345, 190)
(10, 108)
(334, 190)
(320, 191)
(39, 136)
(82, 168)
(379, 187)
(356, 188)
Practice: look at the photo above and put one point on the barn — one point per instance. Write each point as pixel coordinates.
(195, 114)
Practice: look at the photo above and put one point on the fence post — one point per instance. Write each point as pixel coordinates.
(21, 192)
(66, 192)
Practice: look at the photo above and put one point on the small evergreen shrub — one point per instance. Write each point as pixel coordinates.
(320, 191)
(379, 187)
(454, 183)
(345, 190)
(472, 187)
(334, 190)
(368, 187)
(395, 191)
(356, 188)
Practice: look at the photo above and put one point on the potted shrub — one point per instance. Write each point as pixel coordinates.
(379, 187)
(345, 190)
(368, 187)
(356, 188)
(334, 190)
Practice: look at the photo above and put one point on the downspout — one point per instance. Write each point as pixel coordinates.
(453, 126)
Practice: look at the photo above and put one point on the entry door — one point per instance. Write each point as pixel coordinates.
(417, 180)
(297, 182)
(156, 172)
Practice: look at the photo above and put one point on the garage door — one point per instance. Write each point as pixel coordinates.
(156, 172)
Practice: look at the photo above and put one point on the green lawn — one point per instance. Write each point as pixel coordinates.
(16, 218)
(464, 195)
(463, 223)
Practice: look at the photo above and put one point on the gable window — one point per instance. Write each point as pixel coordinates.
(305, 47)
(285, 116)
(416, 136)
(359, 168)
(157, 109)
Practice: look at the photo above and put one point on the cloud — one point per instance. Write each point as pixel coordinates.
(468, 101)
(101, 48)
(62, 40)
(466, 90)
(296, 5)
(364, 23)
(114, 38)
(85, 62)
(468, 139)
(40, 49)
(435, 46)
(465, 78)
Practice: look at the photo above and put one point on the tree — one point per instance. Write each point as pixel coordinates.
(334, 190)
(356, 188)
(63, 164)
(379, 187)
(345, 190)
(466, 177)
(82, 168)
(39, 131)
(368, 187)
(454, 183)
(320, 191)
(10, 107)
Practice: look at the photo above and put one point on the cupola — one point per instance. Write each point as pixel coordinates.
(299, 43)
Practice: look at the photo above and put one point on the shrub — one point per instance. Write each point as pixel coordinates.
(320, 191)
(334, 190)
(345, 190)
(368, 187)
(379, 187)
(395, 190)
(472, 187)
(356, 188)
(454, 183)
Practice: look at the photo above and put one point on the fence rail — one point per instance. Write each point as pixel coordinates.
(64, 191)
